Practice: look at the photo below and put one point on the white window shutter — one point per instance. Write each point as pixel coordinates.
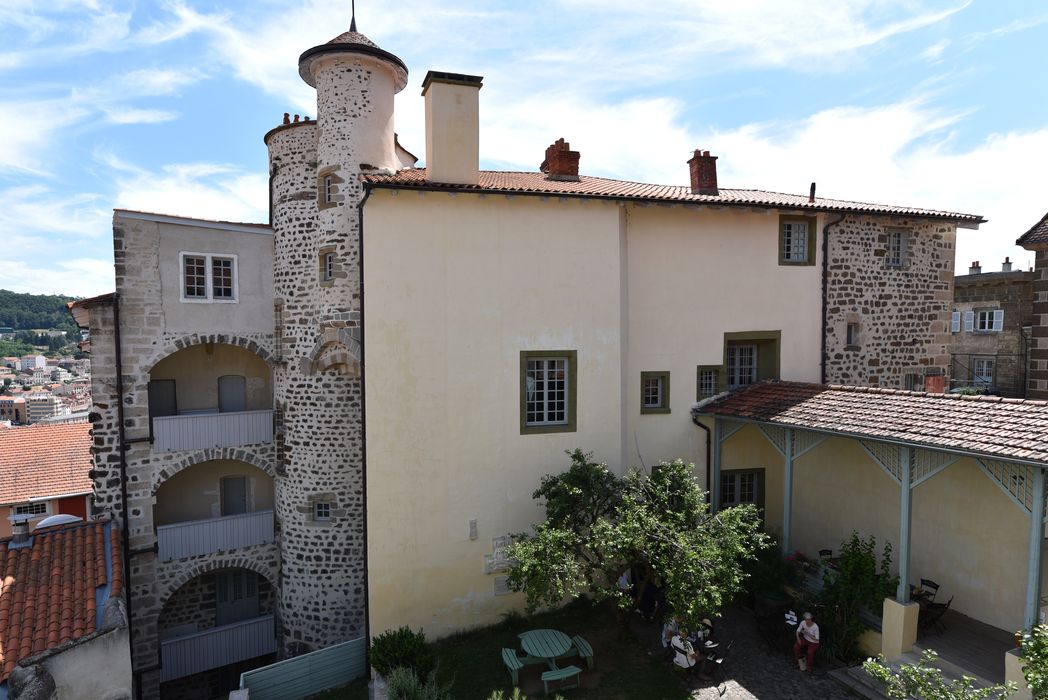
(969, 321)
(955, 322)
(998, 319)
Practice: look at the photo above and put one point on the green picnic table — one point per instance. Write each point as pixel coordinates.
(545, 644)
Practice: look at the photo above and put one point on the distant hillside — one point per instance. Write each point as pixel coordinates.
(29, 311)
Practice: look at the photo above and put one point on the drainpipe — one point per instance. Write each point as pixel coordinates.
(136, 679)
(826, 291)
(363, 428)
(709, 492)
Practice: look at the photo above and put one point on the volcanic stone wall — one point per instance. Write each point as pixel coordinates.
(1037, 386)
(902, 313)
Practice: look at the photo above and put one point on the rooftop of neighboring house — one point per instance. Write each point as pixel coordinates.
(44, 461)
(538, 183)
(1037, 235)
(55, 586)
(983, 426)
(976, 275)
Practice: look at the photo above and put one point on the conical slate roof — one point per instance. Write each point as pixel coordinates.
(352, 42)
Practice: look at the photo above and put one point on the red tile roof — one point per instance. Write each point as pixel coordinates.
(990, 426)
(1037, 234)
(47, 589)
(536, 183)
(38, 461)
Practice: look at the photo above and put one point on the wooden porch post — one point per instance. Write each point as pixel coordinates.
(715, 478)
(1033, 568)
(787, 492)
(905, 517)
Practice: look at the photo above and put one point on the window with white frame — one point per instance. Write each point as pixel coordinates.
(955, 322)
(38, 508)
(322, 511)
(654, 392)
(895, 256)
(741, 487)
(207, 277)
(982, 372)
(329, 267)
(989, 320)
(707, 380)
(742, 365)
(547, 391)
(795, 241)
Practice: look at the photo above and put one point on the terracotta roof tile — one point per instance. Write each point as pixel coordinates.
(536, 183)
(47, 589)
(38, 461)
(1037, 234)
(986, 425)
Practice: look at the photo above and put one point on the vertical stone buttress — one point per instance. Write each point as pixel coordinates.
(316, 192)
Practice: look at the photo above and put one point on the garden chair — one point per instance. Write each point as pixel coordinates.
(928, 585)
(718, 659)
(931, 615)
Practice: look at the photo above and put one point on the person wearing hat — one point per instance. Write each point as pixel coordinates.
(807, 640)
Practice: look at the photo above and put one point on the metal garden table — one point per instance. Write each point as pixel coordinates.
(545, 644)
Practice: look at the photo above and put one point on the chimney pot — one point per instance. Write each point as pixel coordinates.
(296, 119)
(19, 532)
(561, 162)
(975, 269)
(1006, 266)
(287, 118)
(703, 168)
(811, 194)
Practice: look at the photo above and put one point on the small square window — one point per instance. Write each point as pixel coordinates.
(654, 392)
(322, 511)
(707, 382)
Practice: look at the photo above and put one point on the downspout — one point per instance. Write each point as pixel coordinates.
(826, 291)
(136, 679)
(709, 494)
(364, 428)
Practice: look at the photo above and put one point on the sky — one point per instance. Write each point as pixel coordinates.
(162, 106)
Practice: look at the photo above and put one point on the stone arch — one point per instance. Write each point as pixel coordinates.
(206, 566)
(337, 348)
(187, 341)
(235, 454)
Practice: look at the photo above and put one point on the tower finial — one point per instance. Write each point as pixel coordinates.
(353, 21)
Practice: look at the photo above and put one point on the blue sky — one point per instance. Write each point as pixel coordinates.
(162, 105)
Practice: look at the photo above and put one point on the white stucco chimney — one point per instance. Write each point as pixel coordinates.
(1006, 266)
(452, 127)
(975, 268)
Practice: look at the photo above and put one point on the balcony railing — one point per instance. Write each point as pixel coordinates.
(214, 535)
(206, 430)
(217, 647)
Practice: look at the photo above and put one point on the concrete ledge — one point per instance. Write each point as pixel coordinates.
(1013, 671)
(899, 628)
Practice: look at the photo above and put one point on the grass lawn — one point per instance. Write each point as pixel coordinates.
(471, 662)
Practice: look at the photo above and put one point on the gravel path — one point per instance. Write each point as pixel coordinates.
(752, 669)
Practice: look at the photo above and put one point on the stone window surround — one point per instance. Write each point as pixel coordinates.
(664, 392)
(309, 509)
(328, 182)
(810, 221)
(327, 276)
(852, 332)
(905, 234)
(208, 298)
(573, 364)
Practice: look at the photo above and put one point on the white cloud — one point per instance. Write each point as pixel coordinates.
(935, 51)
(202, 190)
(118, 115)
(78, 276)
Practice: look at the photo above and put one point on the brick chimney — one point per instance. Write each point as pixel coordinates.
(1006, 266)
(975, 269)
(703, 173)
(561, 162)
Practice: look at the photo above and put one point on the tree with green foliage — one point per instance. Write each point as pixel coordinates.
(36, 311)
(924, 681)
(858, 581)
(599, 525)
(1034, 655)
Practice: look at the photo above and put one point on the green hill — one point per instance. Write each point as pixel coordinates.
(36, 311)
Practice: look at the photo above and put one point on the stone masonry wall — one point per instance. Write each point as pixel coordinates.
(1037, 386)
(903, 314)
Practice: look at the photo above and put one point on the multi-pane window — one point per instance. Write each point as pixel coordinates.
(795, 241)
(547, 391)
(896, 253)
(707, 383)
(742, 365)
(654, 392)
(222, 278)
(329, 267)
(38, 508)
(322, 510)
(982, 372)
(740, 487)
(328, 189)
(987, 320)
(207, 277)
(194, 269)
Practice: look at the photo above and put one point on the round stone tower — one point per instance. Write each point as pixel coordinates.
(315, 190)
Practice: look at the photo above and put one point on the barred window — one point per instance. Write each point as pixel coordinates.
(195, 271)
(547, 391)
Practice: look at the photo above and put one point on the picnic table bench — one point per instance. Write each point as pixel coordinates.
(561, 675)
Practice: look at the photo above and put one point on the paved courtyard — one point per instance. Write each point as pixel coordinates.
(752, 669)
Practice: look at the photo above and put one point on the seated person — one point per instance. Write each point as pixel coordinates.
(704, 633)
(807, 640)
(669, 630)
(685, 655)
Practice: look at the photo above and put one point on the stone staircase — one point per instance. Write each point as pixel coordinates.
(865, 686)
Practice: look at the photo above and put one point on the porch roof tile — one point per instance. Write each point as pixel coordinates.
(986, 426)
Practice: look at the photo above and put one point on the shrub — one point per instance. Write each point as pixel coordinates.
(404, 684)
(1035, 660)
(517, 695)
(925, 682)
(402, 647)
(858, 582)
